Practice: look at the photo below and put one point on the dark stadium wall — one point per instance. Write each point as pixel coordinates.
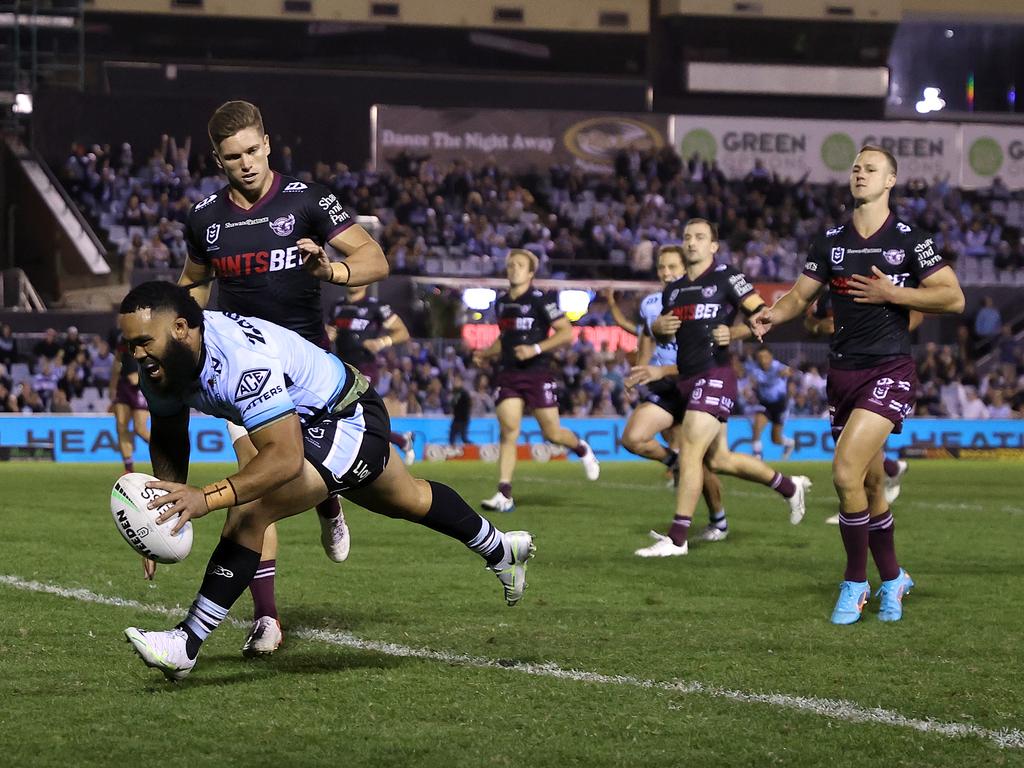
(322, 115)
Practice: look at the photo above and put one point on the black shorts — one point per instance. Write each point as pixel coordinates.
(666, 395)
(350, 449)
(775, 411)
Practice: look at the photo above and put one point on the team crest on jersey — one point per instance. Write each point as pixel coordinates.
(251, 383)
(708, 291)
(283, 226)
(212, 233)
(672, 296)
(902, 227)
(295, 186)
(837, 255)
(894, 256)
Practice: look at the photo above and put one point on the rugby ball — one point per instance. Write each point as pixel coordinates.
(137, 524)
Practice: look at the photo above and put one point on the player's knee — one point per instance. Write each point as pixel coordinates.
(846, 476)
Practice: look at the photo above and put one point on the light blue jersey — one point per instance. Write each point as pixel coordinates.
(771, 384)
(255, 372)
(650, 309)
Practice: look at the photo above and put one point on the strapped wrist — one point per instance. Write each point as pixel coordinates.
(220, 495)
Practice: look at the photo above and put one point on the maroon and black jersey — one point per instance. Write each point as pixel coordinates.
(253, 253)
(356, 322)
(866, 334)
(713, 298)
(525, 320)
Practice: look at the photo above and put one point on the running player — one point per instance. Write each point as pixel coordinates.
(362, 327)
(525, 317)
(128, 404)
(662, 408)
(261, 237)
(771, 381)
(703, 298)
(318, 427)
(877, 268)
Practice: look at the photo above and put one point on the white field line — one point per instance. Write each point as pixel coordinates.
(836, 709)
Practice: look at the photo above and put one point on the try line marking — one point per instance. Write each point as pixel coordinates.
(837, 709)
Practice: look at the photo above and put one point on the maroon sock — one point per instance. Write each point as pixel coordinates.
(262, 589)
(892, 467)
(881, 532)
(581, 448)
(129, 465)
(783, 485)
(398, 439)
(679, 530)
(854, 529)
(329, 508)
(505, 489)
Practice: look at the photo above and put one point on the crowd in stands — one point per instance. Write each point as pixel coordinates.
(61, 373)
(459, 219)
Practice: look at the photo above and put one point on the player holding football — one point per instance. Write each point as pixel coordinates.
(362, 326)
(261, 237)
(525, 317)
(318, 429)
(704, 298)
(662, 408)
(877, 268)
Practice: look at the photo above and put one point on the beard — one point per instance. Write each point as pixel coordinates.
(179, 364)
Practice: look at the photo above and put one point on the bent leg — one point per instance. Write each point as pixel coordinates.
(641, 427)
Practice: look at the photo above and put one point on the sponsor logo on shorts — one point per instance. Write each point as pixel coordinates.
(715, 383)
(283, 226)
(712, 400)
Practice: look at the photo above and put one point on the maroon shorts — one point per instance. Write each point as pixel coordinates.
(130, 395)
(886, 389)
(535, 388)
(370, 370)
(712, 391)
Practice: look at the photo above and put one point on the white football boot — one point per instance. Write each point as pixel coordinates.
(499, 502)
(264, 637)
(162, 650)
(893, 485)
(714, 533)
(511, 571)
(798, 501)
(662, 547)
(409, 452)
(834, 520)
(591, 465)
(335, 537)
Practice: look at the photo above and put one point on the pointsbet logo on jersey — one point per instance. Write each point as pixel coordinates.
(599, 139)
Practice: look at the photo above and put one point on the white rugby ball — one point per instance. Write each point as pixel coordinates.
(137, 523)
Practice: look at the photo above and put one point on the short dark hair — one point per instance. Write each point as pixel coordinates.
(675, 248)
(159, 295)
(711, 226)
(889, 157)
(232, 117)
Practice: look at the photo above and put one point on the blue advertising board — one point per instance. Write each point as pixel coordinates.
(94, 437)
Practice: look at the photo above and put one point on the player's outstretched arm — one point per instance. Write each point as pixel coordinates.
(629, 326)
(938, 293)
(279, 459)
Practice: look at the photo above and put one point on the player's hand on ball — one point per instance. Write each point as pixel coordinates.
(148, 569)
(721, 335)
(186, 501)
(314, 259)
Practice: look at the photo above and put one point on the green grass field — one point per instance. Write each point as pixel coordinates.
(609, 659)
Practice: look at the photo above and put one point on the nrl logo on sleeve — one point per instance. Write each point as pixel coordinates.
(837, 255)
(295, 186)
(251, 383)
(283, 226)
(212, 233)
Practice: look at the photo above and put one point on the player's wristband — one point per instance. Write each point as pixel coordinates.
(220, 495)
(348, 273)
(537, 349)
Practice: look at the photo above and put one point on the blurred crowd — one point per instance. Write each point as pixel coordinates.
(457, 218)
(66, 372)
